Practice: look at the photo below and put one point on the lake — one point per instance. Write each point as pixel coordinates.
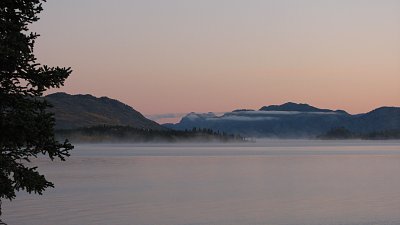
(283, 182)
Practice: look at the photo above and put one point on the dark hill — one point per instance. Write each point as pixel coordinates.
(380, 119)
(74, 111)
(297, 107)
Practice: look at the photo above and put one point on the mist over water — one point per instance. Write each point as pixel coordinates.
(268, 182)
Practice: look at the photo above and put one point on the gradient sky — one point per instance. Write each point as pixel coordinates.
(214, 55)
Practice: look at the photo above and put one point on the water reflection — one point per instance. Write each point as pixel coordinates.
(218, 185)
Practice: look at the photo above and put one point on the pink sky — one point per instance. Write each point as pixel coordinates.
(182, 56)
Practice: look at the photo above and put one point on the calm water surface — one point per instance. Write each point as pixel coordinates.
(268, 182)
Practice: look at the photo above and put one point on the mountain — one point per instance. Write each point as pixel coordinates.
(380, 119)
(290, 106)
(292, 120)
(75, 111)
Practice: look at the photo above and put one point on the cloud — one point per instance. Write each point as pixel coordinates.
(158, 117)
(242, 118)
(231, 116)
(261, 115)
(165, 116)
(254, 113)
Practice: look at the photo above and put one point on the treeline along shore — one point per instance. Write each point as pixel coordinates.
(106, 133)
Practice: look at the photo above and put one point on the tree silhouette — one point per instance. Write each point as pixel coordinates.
(26, 127)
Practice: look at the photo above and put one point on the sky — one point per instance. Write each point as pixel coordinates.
(180, 56)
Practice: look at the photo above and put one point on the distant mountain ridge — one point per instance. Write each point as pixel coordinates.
(380, 119)
(289, 120)
(292, 120)
(297, 107)
(75, 111)
(291, 106)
